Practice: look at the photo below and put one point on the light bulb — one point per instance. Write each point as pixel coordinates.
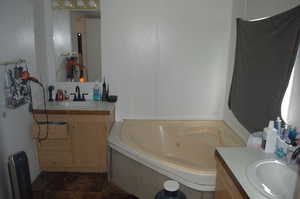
(67, 3)
(80, 3)
(92, 3)
(55, 4)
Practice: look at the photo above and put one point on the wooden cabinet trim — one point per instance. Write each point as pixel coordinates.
(88, 154)
(70, 112)
(231, 175)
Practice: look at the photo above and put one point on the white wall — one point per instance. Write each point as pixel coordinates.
(167, 59)
(93, 48)
(17, 41)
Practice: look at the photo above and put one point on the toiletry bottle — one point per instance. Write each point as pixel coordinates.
(104, 91)
(293, 133)
(263, 143)
(271, 136)
(285, 132)
(66, 96)
(278, 125)
(96, 92)
(50, 94)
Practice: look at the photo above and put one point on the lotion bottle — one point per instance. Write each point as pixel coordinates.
(271, 136)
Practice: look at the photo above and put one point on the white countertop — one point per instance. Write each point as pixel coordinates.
(238, 160)
(78, 106)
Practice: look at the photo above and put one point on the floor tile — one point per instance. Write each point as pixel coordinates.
(76, 186)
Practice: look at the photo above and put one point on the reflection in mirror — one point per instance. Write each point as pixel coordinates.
(77, 44)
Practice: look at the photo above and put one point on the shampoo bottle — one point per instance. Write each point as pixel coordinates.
(271, 136)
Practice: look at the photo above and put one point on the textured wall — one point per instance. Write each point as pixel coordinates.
(17, 41)
(167, 59)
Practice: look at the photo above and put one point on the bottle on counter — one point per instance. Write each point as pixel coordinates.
(104, 91)
(278, 124)
(97, 92)
(271, 137)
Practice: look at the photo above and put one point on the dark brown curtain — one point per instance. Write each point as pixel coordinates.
(265, 55)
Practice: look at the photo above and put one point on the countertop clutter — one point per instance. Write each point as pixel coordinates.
(71, 107)
(236, 161)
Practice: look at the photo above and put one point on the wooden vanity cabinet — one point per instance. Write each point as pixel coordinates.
(227, 187)
(75, 143)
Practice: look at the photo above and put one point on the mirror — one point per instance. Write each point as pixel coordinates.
(77, 45)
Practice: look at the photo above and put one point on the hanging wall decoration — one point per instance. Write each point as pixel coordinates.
(17, 90)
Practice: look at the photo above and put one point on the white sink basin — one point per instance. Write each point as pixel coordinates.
(76, 104)
(273, 178)
(89, 104)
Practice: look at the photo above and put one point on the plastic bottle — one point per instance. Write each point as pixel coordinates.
(96, 92)
(170, 191)
(277, 126)
(285, 132)
(293, 133)
(271, 136)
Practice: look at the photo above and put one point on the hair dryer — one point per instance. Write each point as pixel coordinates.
(26, 76)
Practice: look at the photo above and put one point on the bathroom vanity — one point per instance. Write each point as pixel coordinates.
(77, 134)
(250, 173)
(227, 187)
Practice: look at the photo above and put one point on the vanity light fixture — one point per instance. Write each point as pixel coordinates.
(56, 4)
(92, 3)
(75, 4)
(80, 3)
(68, 3)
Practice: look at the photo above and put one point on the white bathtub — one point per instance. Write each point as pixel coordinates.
(180, 150)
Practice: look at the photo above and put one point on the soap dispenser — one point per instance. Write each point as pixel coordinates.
(271, 136)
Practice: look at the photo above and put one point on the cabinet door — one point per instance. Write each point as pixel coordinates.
(225, 187)
(89, 145)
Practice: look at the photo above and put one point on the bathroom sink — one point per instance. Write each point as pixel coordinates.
(77, 104)
(273, 178)
(72, 104)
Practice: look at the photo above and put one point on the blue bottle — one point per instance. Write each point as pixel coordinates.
(170, 191)
(96, 92)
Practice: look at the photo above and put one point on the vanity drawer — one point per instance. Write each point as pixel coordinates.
(56, 130)
(53, 159)
(56, 145)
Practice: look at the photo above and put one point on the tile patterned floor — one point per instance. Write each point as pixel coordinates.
(76, 186)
